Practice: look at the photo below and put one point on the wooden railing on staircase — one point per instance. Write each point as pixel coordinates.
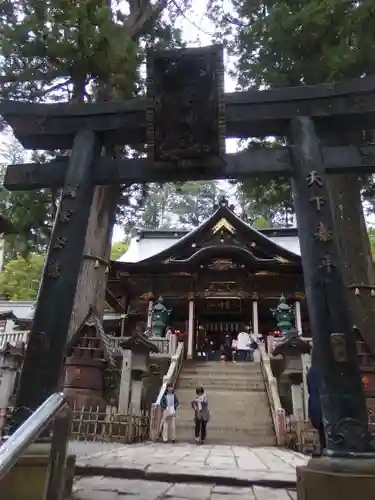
(170, 377)
(277, 411)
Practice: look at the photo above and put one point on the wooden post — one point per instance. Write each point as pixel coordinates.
(42, 367)
(341, 392)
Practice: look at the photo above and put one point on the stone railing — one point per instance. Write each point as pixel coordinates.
(277, 411)
(167, 347)
(272, 342)
(170, 377)
(13, 338)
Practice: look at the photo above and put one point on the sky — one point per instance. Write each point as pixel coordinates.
(197, 30)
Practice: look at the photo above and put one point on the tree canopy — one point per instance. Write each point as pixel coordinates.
(88, 50)
(21, 276)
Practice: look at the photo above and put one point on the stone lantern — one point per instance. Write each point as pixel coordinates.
(10, 362)
(159, 318)
(135, 366)
(291, 348)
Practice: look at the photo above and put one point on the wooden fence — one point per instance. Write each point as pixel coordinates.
(96, 424)
(300, 436)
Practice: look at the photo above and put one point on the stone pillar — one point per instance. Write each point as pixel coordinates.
(125, 381)
(8, 372)
(255, 317)
(297, 401)
(297, 309)
(190, 330)
(306, 363)
(172, 344)
(149, 313)
(136, 396)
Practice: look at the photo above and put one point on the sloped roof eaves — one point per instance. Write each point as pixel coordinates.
(179, 243)
(217, 215)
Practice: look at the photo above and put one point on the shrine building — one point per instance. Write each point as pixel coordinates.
(215, 279)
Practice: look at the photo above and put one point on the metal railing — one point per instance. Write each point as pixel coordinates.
(55, 409)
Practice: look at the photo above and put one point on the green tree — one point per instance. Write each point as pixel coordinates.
(279, 42)
(59, 50)
(194, 202)
(118, 249)
(20, 277)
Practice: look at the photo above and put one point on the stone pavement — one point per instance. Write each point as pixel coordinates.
(182, 462)
(86, 448)
(104, 488)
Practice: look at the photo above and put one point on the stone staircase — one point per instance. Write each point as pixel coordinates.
(238, 403)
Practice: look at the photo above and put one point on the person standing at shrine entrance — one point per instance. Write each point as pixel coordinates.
(169, 404)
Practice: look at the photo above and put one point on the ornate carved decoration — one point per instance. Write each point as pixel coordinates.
(223, 224)
(223, 289)
(266, 273)
(222, 265)
(282, 260)
(168, 260)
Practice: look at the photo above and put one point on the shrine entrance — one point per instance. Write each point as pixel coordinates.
(217, 320)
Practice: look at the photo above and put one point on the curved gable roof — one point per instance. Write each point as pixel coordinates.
(160, 245)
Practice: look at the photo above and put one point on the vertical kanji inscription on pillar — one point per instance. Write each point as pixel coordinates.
(42, 367)
(343, 402)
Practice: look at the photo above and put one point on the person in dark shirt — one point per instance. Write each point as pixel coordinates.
(314, 405)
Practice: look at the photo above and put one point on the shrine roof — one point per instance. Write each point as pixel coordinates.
(151, 243)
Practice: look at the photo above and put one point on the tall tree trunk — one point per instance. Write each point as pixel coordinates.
(92, 283)
(356, 252)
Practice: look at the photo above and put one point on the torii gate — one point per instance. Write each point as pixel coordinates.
(184, 120)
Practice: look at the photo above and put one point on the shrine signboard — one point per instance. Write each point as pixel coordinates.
(185, 120)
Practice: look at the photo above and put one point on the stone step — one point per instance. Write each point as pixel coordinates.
(224, 371)
(238, 403)
(218, 366)
(245, 416)
(231, 368)
(251, 425)
(211, 384)
(224, 396)
(235, 377)
(226, 436)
